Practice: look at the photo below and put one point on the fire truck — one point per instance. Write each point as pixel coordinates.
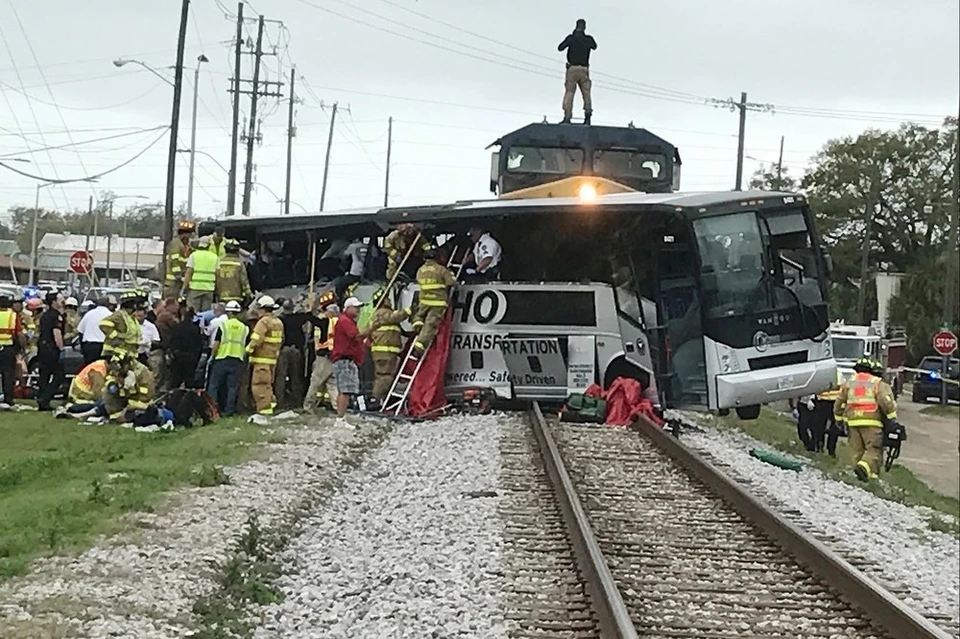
(851, 342)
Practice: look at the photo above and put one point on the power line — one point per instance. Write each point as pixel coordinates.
(82, 142)
(76, 108)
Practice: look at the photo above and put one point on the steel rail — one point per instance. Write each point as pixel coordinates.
(612, 615)
(878, 604)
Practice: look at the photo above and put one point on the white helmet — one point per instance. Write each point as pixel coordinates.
(72, 301)
(266, 302)
(233, 307)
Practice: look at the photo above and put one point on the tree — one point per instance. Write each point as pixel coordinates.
(890, 176)
(769, 178)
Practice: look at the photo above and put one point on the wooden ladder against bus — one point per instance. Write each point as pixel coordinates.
(396, 399)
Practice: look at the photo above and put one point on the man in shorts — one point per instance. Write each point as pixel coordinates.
(349, 350)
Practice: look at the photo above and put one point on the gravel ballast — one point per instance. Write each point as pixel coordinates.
(889, 541)
(409, 547)
(143, 583)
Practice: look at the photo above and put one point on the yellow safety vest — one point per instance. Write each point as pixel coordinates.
(204, 276)
(116, 341)
(233, 340)
(832, 394)
(8, 325)
(325, 345)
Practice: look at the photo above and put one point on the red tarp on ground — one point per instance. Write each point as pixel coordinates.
(427, 392)
(625, 402)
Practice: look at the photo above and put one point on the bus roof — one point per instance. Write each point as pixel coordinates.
(587, 137)
(293, 223)
(690, 205)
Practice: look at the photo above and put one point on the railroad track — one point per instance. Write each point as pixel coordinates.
(657, 543)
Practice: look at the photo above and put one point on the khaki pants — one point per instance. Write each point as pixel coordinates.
(577, 77)
(427, 320)
(384, 372)
(321, 379)
(867, 444)
(261, 385)
(200, 301)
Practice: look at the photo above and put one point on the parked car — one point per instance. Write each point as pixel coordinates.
(72, 364)
(929, 384)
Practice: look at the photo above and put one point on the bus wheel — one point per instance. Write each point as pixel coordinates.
(749, 412)
(723, 412)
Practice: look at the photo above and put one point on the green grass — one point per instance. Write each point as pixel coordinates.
(943, 411)
(899, 484)
(62, 483)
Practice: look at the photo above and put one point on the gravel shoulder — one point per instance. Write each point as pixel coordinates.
(143, 582)
(409, 547)
(889, 541)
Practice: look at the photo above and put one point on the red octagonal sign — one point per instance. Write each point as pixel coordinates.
(81, 262)
(945, 342)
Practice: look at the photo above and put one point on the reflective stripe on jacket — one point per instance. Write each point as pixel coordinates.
(833, 393)
(204, 277)
(434, 281)
(121, 332)
(88, 384)
(864, 402)
(8, 325)
(327, 344)
(386, 337)
(232, 282)
(265, 341)
(233, 340)
(177, 255)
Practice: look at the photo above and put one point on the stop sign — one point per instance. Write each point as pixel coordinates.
(945, 342)
(81, 262)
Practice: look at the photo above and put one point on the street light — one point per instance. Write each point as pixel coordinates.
(215, 160)
(193, 133)
(110, 233)
(119, 62)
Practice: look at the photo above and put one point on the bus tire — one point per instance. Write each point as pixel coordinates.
(723, 412)
(620, 367)
(749, 413)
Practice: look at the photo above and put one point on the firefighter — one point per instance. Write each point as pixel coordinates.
(264, 346)
(121, 330)
(129, 386)
(200, 279)
(30, 316)
(11, 342)
(398, 243)
(321, 378)
(71, 320)
(216, 242)
(385, 344)
(864, 403)
(87, 386)
(435, 282)
(232, 284)
(177, 253)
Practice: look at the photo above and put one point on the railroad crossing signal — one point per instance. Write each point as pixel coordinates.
(81, 262)
(945, 343)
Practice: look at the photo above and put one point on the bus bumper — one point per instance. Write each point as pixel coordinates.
(769, 385)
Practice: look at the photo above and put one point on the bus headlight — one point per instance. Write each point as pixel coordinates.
(587, 193)
(827, 348)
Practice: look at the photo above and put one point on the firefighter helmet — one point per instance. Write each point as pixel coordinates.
(326, 299)
(863, 365)
(186, 226)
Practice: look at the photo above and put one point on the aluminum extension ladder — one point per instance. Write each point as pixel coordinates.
(396, 399)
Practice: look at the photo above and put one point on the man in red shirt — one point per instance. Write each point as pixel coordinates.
(11, 342)
(349, 351)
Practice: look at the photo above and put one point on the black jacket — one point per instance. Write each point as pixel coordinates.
(578, 45)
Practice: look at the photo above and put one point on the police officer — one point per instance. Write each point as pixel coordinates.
(386, 342)
(264, 346)
(177, 253)
(435, 281)
(228, 355)
(200, 280)
(11, 342)
(49, 350)
(121, 330)
(232, 283)
(864, 403)
(321, 378)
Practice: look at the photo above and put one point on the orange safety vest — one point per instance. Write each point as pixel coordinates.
(326, 345)
(862, 407)
(81, 389)
(8, 326)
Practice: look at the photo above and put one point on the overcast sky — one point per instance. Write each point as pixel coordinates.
(454, 74)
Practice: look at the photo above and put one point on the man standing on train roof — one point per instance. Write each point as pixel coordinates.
(578, 45)
(486, 256)
(435, 281)
(177, 254)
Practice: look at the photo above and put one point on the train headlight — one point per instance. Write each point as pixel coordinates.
(587, 193)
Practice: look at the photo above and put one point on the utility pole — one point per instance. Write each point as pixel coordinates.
(386, 186)
(291, 133)
(780, 166)
(326, 162)
(251, 137)
(742, 106)
(193, 134)
(174, 130)
(232, 173)
(952, 247)
(93, 224)
(110, 244)
(868, 214)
